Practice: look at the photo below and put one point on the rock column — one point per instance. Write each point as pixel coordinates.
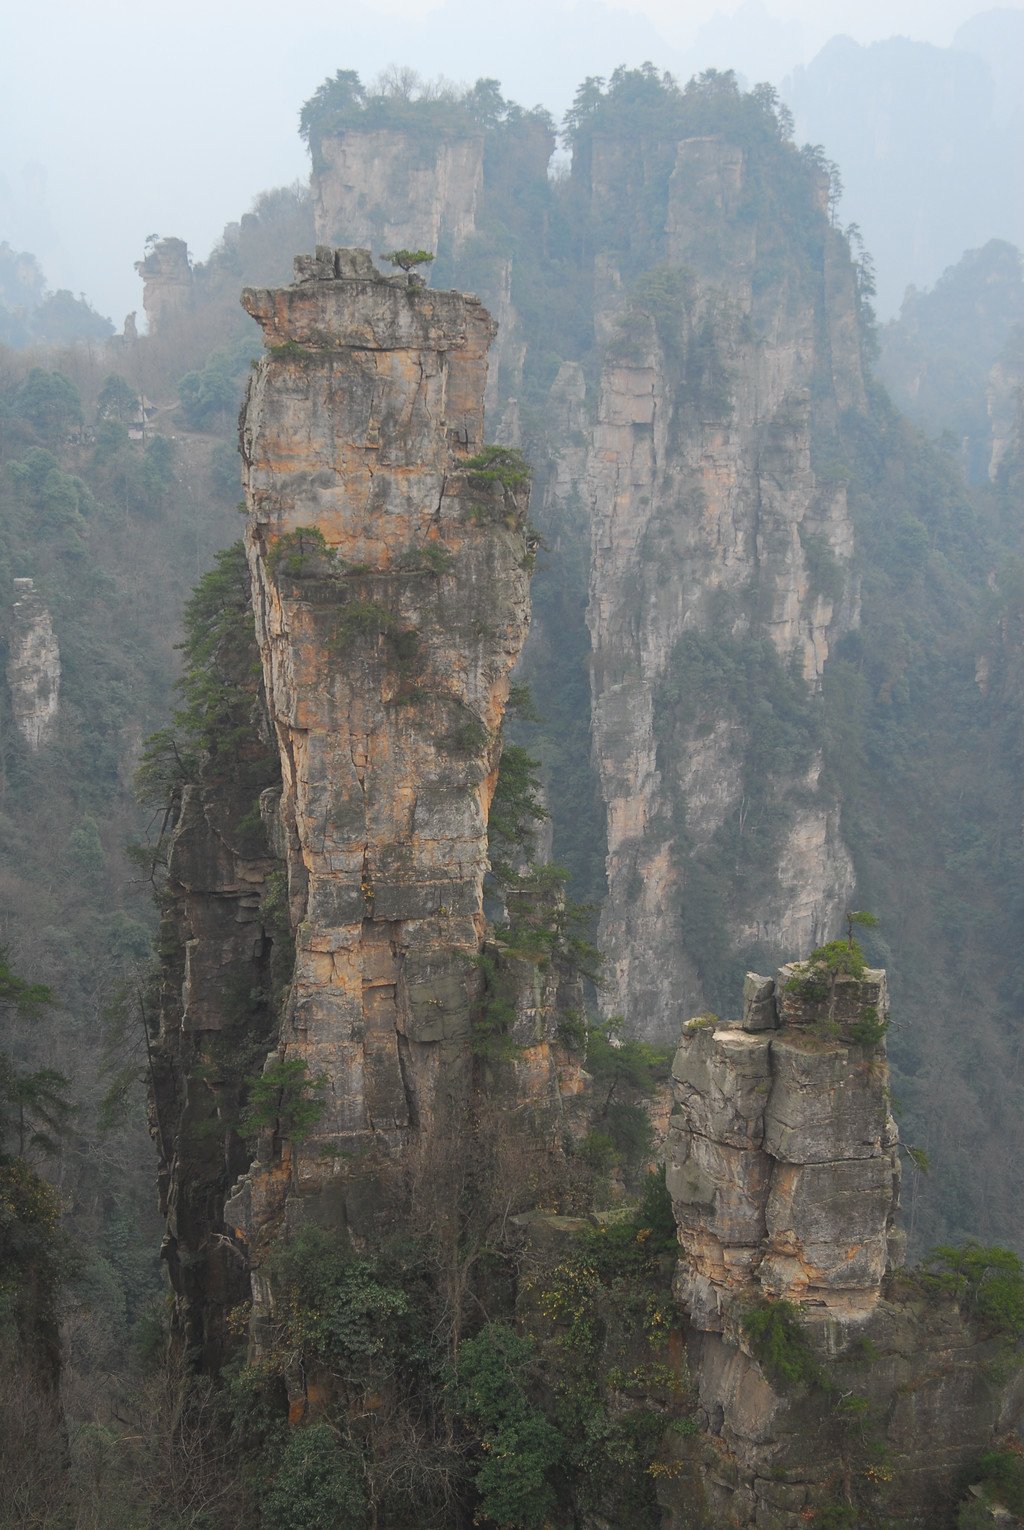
(390, 592)
(783, 1153)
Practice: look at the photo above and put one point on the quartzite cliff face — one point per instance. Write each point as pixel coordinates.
(390, 594)
(391, 600)
(721, 573)
(721, 559)
(782, 1161)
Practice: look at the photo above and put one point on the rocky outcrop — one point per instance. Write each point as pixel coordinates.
(166, 283)
(390, 588)
(721, 573)
(782, 1165)
(423, 188)
(898, 1413)
(782, 1154)
(33, 667)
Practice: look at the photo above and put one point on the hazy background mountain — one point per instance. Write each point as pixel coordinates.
(927, 140)
(117, 124)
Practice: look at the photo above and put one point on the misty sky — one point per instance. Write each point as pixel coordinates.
(118, 120)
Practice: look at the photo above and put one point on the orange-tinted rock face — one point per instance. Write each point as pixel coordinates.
(390, 590)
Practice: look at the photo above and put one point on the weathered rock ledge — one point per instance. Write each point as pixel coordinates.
(876, 1390)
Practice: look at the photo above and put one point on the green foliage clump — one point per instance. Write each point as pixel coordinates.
(34, 1107)
(212, 394)
(780, 1344)
(315, 1486)
(622, 1068)
(987, 1282)
(117, 400)
(279, 1099)
(625, 1246)
(50, 404)
(217, 688)
(1000, 1474)
(300, 553)
(611, 1312)
(543, 925)
(408, 260)
(493, 1040)
(825, 575)
(59, 501)
(516, 808)
(815, 978)
(869, 1028)
(469, 736)
(503, 465)
(654, 1211)
(519, 1446)
(345, 1311)
(427, 110)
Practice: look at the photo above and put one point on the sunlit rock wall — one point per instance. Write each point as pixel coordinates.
(391, 599)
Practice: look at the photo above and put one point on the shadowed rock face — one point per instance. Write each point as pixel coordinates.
(33, 667)
(391, 600)
(386, 188)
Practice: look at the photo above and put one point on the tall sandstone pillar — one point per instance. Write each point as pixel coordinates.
(391, 600)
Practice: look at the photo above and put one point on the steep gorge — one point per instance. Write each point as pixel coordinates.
(757, 618)
(701, 442)
(388, 569)
(715, 542)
